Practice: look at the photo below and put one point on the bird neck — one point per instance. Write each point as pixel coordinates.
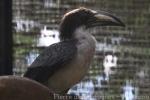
(79, 33)
(70, 32)
(82, 33)
(85, 42)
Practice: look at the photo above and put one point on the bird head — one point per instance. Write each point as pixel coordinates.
(85, 17)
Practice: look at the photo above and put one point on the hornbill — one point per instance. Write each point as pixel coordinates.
(63, 64)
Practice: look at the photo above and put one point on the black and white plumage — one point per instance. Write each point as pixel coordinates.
(62, 52)
(64, 64)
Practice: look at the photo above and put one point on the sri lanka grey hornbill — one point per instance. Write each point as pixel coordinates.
(63, 64)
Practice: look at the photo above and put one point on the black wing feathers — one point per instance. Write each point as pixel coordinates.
(50, 60)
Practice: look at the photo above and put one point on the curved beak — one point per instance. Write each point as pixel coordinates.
(104, 19)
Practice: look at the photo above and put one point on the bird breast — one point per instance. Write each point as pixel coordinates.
(74, 71)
